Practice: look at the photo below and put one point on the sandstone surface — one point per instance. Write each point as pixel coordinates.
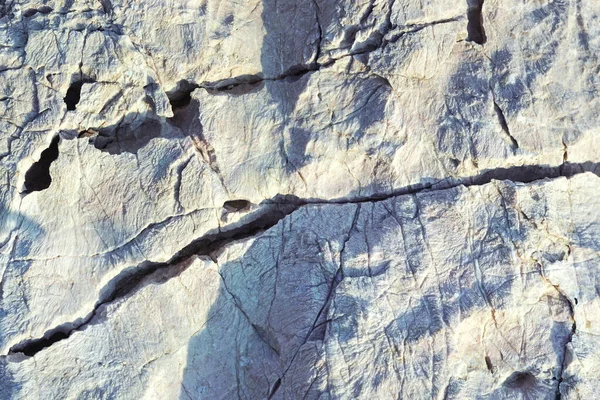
(280, 199)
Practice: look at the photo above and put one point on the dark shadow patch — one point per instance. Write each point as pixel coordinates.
(276, 386)
(126, 139)
(504, 125)
(38, 177)
(488, 364)
(32, 11)
(31, 348)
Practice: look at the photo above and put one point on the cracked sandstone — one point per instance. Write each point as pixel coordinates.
(337, 279)
(504, 124)
(129, 280)
(297, 71)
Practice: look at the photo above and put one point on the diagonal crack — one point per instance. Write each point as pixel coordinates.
(257, 328)
(337, 279)
(275, 209)
(131, 279)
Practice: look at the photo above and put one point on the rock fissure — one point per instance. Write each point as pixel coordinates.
(517, 174)
(181, 97)
(504, 126)
(129, 280)
(475, 30)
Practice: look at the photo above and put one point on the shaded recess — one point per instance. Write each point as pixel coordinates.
(73, 95)
(236, 205)
(475, 30)
(38, 176)
(182, 95)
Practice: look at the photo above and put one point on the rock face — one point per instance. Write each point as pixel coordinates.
(323, 199)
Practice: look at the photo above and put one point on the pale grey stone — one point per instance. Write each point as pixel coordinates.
(146, 145)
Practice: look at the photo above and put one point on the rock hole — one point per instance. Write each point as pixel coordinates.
(524, 381)
(236, 205)
(475, 30)
(73, 95)
(575, 300)
(38, 176)
(181, 97)
(275, 387)
(30, 12)
(488, 364)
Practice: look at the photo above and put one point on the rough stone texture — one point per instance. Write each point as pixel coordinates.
(285, 199)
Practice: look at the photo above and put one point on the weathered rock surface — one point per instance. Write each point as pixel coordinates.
(284, 199)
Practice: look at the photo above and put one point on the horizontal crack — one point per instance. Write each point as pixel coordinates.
(297, 71)
(129, 280)
(517, 174)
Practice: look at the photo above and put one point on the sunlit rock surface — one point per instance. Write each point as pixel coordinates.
(285, 199)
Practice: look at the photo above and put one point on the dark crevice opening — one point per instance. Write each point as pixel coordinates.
(275, 388)
(520, 380)
(475, 30)
(128, 281)
(73, 95)
(488, 364)
(236, 205)
(38, 176)
(504, 125)
(181, 97)
(42, 343)
(280, 206)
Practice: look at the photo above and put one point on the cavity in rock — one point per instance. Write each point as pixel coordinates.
(73, 95)
(520, 380)
(182, 96)
(475, 30)
(38, 176)
(236, 205)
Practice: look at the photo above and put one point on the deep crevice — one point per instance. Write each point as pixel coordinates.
(275, 388)
(129, 280)
(475, 30)
(488, 364)
(564, 362)
(181, 97)
(517, 174)
(38, 177)
(244, 84)
(73, 95)
(276, 209)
